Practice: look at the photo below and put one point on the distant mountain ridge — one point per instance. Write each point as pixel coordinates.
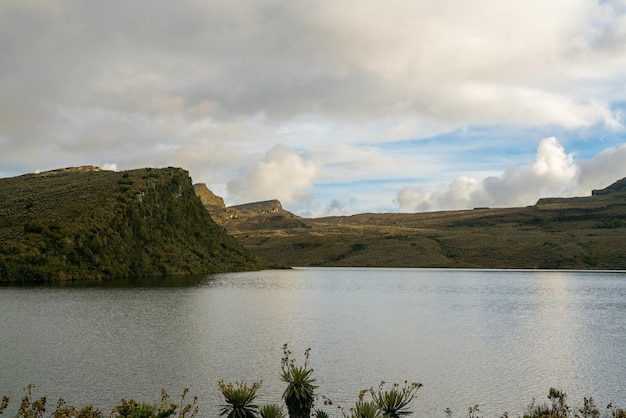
(555, 233)
(84, 223)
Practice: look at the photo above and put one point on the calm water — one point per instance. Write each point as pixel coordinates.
(493, 338)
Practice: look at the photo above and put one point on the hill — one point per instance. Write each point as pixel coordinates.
(86, 223)
(556, 233)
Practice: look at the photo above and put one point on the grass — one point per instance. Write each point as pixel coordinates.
(240, 402)
(86, 224)
(577, 233)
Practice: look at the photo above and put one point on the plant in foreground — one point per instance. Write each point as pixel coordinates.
(4, 404)
(299, 394)
(239, 399)
(271, 411)
(164, 409)
(68, 411)
(132, 409)
(472, 410)
(365, 409)
(616, 412)
(394, 402)
(589, 409)
(30, 408)
(320, 414)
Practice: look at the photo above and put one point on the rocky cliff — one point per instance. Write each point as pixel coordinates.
(207, 197)
(266, 207)
(85, 223)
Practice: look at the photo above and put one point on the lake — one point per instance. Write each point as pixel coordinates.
(488, 337)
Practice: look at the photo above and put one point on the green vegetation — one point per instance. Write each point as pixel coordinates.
(573, 233)
(271, 411)
(299, 394)
(239, 402)
(394, 402)
(85, 224)
(239, 399)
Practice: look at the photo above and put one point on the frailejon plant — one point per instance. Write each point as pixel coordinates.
(365, 409)
(239, 402)
(299, 395)
(239, 398)
(132, 409)
(394, 402)
(271, 411)
(320, 414)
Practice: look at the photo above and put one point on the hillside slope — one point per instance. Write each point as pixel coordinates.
(85, 223)
(558, 233)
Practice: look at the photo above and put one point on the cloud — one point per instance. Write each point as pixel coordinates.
(554, 173)
(211, 86)
(282, 174)
(452, 62)
(602, 170)
(109, 166)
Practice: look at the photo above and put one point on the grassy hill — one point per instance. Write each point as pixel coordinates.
(576, 233)
(85, 223)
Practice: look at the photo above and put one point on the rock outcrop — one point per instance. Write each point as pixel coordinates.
(266, 207)
(207, 197)
(617, 187)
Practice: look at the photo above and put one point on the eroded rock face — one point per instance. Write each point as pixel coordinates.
(207, 197)
(266, 207)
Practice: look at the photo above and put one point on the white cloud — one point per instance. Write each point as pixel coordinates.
(554, 173)
(109, 166)
(282, 174)
(602, 170)
(210, 86)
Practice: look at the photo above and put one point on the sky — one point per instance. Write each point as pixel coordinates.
(332, 107)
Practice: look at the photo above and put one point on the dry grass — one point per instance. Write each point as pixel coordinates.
(578, 233)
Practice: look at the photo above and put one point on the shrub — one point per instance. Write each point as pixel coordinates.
(589, 409)
(320, 414)
(271, 411)
(558, 409)
(299, 394)
(34, 228)
(365, 409)
(166, 408)
(394, 402)
(30, 408)
(239, 399)
(65, 411)
(4, 404)
(132, 409)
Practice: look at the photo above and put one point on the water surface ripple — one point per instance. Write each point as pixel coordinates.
(487, 337)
